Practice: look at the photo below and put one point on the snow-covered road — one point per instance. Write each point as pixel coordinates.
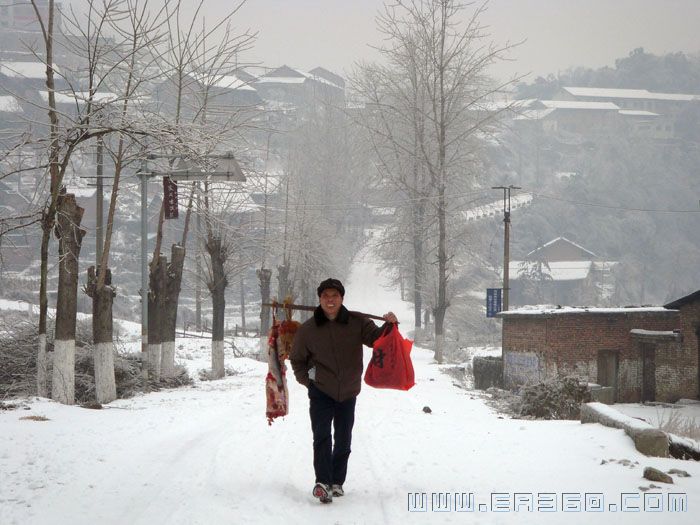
(205, 454)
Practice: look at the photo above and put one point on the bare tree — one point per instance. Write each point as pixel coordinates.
(196, 61)
(227, 233)
(107, 46)
(426, 124)
(137, 30)
(63, 140)
(319, 219)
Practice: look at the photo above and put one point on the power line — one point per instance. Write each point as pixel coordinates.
(608, 206)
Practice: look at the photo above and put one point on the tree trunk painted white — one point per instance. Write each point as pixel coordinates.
(105, 385)
(154, 361)
(167, 367)
(63, 377)
(42, 368)
(217, 359)
(70, 236)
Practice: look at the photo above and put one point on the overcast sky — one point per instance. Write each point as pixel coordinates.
(558, 33)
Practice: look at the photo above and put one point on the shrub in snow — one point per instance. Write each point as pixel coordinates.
(554, 399)
(674, 422)
(488, 372)
(18, 347)
(207, 375)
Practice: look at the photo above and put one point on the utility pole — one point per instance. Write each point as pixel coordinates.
(99, 196)
(226, 169)
(198, 267)
(506, 240)
(144, 257)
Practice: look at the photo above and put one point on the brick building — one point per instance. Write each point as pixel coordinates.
(689, 308)
(644, 354)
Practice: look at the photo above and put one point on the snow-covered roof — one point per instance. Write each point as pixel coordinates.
(25, 69)
(224, 81)
(627, 93)
(534, 114)
(9, 104)
(576, 104)
(328, 75)
(695, 296)
(79, 97)
(637, 113)
(564, 239)
(548, 309)
(281, 80)
(82, 193)
(499, 105)
(294, 76)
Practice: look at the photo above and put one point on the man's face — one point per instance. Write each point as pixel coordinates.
(331, 301)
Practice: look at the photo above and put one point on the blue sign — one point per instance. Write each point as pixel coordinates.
(493, 301)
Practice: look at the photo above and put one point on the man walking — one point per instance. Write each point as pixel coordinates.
(327, 358)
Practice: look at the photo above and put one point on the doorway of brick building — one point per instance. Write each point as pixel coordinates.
(607, 370)
(648, 372)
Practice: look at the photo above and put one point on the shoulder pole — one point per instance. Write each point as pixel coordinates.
(277, 305)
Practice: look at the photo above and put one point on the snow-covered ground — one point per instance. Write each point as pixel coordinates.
(205, 454)
(661, 413)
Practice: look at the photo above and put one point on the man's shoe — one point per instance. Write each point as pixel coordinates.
(337, 490)
(323, 493)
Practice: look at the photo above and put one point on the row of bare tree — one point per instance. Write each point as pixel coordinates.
(123, 49)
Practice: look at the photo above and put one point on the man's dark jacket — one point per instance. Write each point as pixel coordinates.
(334, 348)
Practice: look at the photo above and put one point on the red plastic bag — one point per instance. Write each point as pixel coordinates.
(391, 365)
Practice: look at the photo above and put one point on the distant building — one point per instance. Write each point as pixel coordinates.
(560, 272)
(644, 112)
(20, 31)
(21, 15)
(329, 76)
(575, 116)
(630, 99)
(295, 87)
(11, 112)
(17, 247)
(225, 93)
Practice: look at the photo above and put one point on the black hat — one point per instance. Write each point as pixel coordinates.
(331, 283)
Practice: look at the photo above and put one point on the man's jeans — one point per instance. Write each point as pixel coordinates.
(330, 462)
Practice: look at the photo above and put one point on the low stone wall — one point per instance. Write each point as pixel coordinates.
(647, 439)
(488, 372)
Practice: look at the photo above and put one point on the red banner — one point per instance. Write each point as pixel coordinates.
(170, 196)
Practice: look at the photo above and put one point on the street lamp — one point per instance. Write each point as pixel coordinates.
(224, 168)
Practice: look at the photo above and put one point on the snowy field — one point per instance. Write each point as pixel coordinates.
(660, 413)
(205, 454)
